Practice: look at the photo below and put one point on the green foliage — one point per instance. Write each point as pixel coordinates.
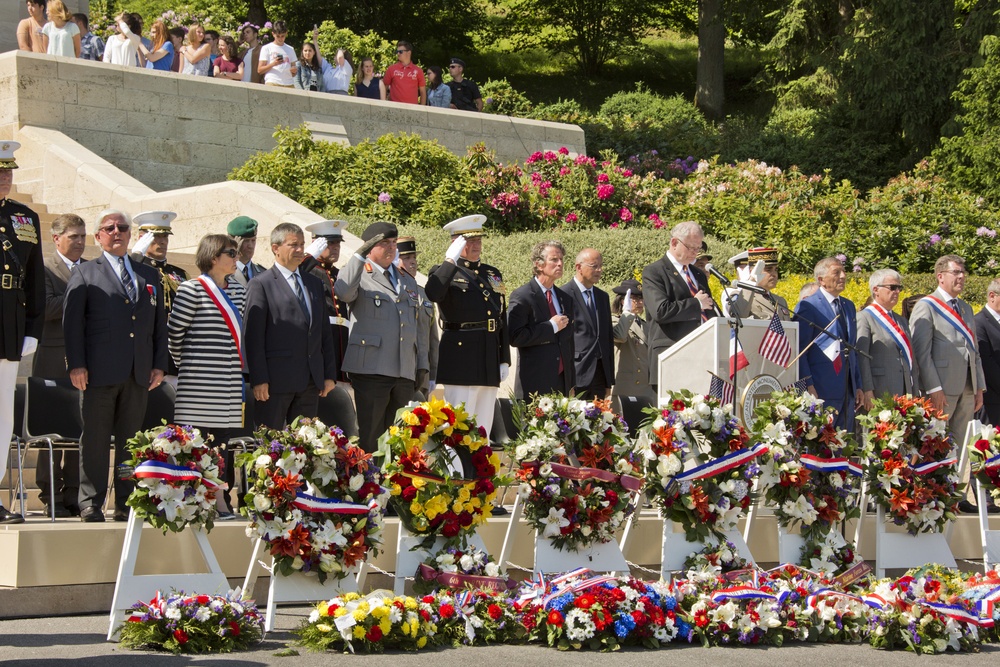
(500, 97)
(370, 45)
(971, 159)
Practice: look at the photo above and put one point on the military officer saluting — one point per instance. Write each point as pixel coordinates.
(474, 355)
(321, 257)
(22, 299)
(760, 306)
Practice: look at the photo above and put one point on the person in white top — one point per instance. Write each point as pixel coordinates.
(277, 60)
(337, 77)
(60, 35)
(123, 48)
(248, 36)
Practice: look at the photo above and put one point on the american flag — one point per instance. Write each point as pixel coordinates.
(799, 385)
(721, 390)
(774, 347)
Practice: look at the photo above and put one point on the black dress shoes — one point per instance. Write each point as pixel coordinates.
(8, 517)
(61, 512)
(92, 515)
(499, 510)
(121, 515)
(965, 507)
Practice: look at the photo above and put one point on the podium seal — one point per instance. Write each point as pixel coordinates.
(758, 389)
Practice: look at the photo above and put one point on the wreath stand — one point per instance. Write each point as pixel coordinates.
(607, 557)
(297, 586)
(130, 587)
(409, 554)
(677, 547)
(990, 539)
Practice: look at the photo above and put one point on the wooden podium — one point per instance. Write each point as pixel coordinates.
(688, 363)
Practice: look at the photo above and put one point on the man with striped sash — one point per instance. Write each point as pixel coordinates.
(944, 342)
(887, 365)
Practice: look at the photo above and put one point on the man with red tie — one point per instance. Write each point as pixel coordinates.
(676, 292)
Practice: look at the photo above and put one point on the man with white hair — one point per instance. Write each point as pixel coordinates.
(887, 363)
(115, 329)
(677, 295)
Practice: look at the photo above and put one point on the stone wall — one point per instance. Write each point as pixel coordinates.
(172, 131)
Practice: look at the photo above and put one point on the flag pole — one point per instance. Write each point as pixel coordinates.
(806, 348)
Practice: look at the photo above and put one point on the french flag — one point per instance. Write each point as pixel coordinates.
(737, 360)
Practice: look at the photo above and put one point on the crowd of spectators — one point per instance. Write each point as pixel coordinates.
(193, 50)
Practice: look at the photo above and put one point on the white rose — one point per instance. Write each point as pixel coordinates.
(492, 570)
(356, 482)
(467, 562)
(261, 503)
(263, 461)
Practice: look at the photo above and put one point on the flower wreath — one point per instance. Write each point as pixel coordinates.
(807, 476)
(460, 568)
(721, 558)
(182, 623)
(315, 498)
(441, 469)
(177, 475)
(578, 470)
(909, 466)
(985, 457)
(699, 465)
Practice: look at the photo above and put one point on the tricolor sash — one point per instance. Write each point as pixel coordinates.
(817, 464)
(989, 464)
(720, 465)
(927, 468)
(308, 503)
(227, 309)
(896, 332)
(741, 593)
(169, 472)
(953, 318)
(952, 611)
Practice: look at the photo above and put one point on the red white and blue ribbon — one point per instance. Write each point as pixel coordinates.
(741, 593)
(537, 589)
(956, 612)
(169, 472)
(988, 464)
(894, 330)
(720, 465)
(953, 318)
(227, 309)
(875, 601)
(308, 503)
(578, 587)
(814, 599)
(837, 464)
(927, 468)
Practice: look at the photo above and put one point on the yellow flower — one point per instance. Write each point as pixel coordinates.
(351, 597)
(420, 523)
(380, 612)
(495, 460)
(393, 431)
(323, 627)
(339, 612)
(418, 483)
(410, 604)
(410, 419)
(364, 606)
(359, 616)
(385, 626)
(404, 627)
(465, 492)
(323, 608)
(396, 489)
(422, 642)
(359, 632)
(457, 507)
(416, 507)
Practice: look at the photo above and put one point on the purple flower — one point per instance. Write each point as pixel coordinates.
(986, 231)
(384, 197)
(841, 258)
(935, 239)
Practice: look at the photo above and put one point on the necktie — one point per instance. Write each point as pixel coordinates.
(126, 280)
(589, 294)
(552, 312)
(246, 271)
(694, 289)
(301, 296)
(392, 279)
(954, 306)
(840, 316)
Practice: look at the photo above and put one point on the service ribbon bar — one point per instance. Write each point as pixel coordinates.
(307, 503)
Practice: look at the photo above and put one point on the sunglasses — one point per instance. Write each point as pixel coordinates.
(112, 228)
(892, 288)
(228, 252)
(400, 50)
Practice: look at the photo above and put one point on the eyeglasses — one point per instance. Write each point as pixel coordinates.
(956, 272)
(229, 252)
(691, 248)
(112, 228)
(400, 50)
(892, 288)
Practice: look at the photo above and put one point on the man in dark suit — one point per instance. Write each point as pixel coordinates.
(116, 349)
(22, 299)
(831, 365)
(69, 234)
(539, 316)
(287, 336)
(676, 293)
(988, 337)
(321, 261)
(593, 339)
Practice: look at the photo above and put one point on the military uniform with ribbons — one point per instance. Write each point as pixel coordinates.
(336, 310)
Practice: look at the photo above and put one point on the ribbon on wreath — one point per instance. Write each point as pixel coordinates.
(927, 468)
(814, 599)
(307, 503)
(581, 474)
(459, 580)
(169, 472)
(991, 463)
(835, 464)
(956, 612)
(578, 587)
(742, 593)
(719, 465)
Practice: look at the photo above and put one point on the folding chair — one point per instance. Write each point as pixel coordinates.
(52, 417)
(16, 439)
(632, 411)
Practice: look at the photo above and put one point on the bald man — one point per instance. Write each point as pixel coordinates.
(593, 337)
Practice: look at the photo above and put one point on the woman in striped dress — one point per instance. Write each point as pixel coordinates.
(205, 342)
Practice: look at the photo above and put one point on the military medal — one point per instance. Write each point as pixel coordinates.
(378, 300)
(24, 229)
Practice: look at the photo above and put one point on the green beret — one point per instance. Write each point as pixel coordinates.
(242, 226)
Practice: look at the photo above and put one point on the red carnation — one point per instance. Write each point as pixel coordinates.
(886, 453)
(678, 405)
(235, 627)
(447, 611)
(409, 493)
(555, 618)
(203, 599)
(180, 636)
(451, 529)
(494, 611)
(374, 634)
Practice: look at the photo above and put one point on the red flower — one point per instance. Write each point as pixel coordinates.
(447, 611)
(494, 611)
(235, 627)
(180, 636)
(585, 601)
(677, 405)
(982, 445)
(555, 618)
(374, 634)
(409, 493)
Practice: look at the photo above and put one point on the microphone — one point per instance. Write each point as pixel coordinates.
(715, 272)
(752, 288)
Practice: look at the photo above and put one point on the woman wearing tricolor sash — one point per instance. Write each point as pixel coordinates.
(206, 343)
(887, 365)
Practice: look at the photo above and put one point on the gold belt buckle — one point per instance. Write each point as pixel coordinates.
(7, 282)
(491, 325)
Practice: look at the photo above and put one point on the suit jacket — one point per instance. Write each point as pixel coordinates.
(592, 341)
(242, 279)
(631, 357)
(50, 358)
(282, 347)
(946, 359)
(384, 338)
(671, 311)
(758, 307)
(813, 314)
(887, 371)
(540, 349)
(107, 334)
(988, 337)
